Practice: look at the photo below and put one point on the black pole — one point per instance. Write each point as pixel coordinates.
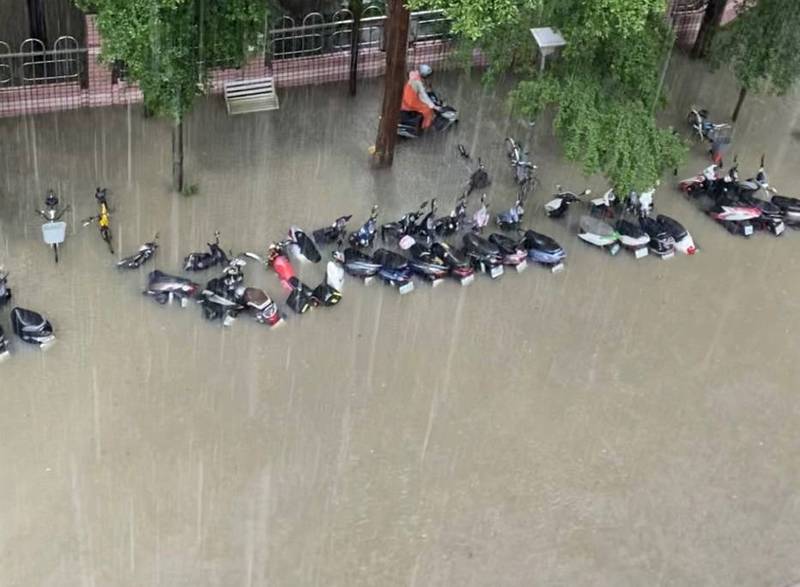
(355, 37)
(36, 20)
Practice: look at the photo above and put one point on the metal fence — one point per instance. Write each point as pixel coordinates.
(318, 50)
(35, 78)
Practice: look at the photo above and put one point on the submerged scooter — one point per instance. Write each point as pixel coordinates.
(301, 297)
(32, 327)
(408, 224)
(427, 265)
(260, 306)
(218, 299)
(753, 192)
(357, 263)
(394, 271)
(163, 288)
(365, 236)
(514, 254)
(480, 219)
(484, 255)
(599, 233)
(5, 291)
(562, 200)
(511, 218)
(458, 264)
(452, 223)
(140, 257)
(4, 352)
(683, 240)
(332, 233)
(662, 242)
(521, 165)
(53, 230)
(544, 250)
(712, 195)
(329, 291)
(204, 260)
(301, 247)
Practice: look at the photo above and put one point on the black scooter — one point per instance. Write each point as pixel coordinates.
(365, 236)
(140, 257)
(332, 233)
(460, 266)
(407, 225)
(5, 291)
(427, 265)
(3, 345)
(452, 223)
(164, 288)
(357, 263)
(483, 255)
(260, 306)
(202, 261)
(32, 327)
(394, 271)
(410, 125)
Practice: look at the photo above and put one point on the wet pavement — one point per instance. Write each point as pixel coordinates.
(622, 423)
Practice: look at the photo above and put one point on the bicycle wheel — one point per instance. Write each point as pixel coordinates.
(106, 234)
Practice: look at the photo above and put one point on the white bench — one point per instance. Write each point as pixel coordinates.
(252, 95)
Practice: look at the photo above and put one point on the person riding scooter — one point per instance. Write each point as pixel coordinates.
(415, 95)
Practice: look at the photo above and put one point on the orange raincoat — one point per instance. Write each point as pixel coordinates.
(413, 103)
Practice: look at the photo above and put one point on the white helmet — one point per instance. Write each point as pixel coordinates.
(425, 70)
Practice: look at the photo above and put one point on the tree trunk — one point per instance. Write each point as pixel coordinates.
(739, 102)
(396, 46)
(36, 20)
(355, 37)
(177, 156)
(712, 18)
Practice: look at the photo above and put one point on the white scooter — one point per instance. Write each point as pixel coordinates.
(599, 233)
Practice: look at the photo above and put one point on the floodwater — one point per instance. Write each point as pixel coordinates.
(623, 423)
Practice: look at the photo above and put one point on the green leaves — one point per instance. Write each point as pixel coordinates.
(169, 46)
(475, 19)
(602, 131)
(762, 45)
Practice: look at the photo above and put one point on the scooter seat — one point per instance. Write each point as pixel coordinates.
(672, 226)
(389, 259)
(542, 242)
(475, 243)
(629, 229)
(28, 319)
(787, 203)
(506, 244)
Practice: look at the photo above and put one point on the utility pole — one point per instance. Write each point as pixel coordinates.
(396, 33)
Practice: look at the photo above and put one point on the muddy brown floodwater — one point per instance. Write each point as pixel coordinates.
(623, 423)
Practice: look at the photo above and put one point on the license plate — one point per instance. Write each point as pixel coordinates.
(496, 272)
(228, 320)
(668, 255)
(779, 228)
(557, 268)
(436, 282)
(614, 249)
(368, 280)
(468, 279)
(4, 355)
(639, 253)
(406, 288)
(521, 266)
(184, 302)
(748, 230)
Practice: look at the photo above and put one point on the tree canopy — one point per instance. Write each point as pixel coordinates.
(603, 89)
(762, 45)
(168, 46)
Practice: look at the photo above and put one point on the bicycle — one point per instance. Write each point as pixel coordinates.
(103, 218)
